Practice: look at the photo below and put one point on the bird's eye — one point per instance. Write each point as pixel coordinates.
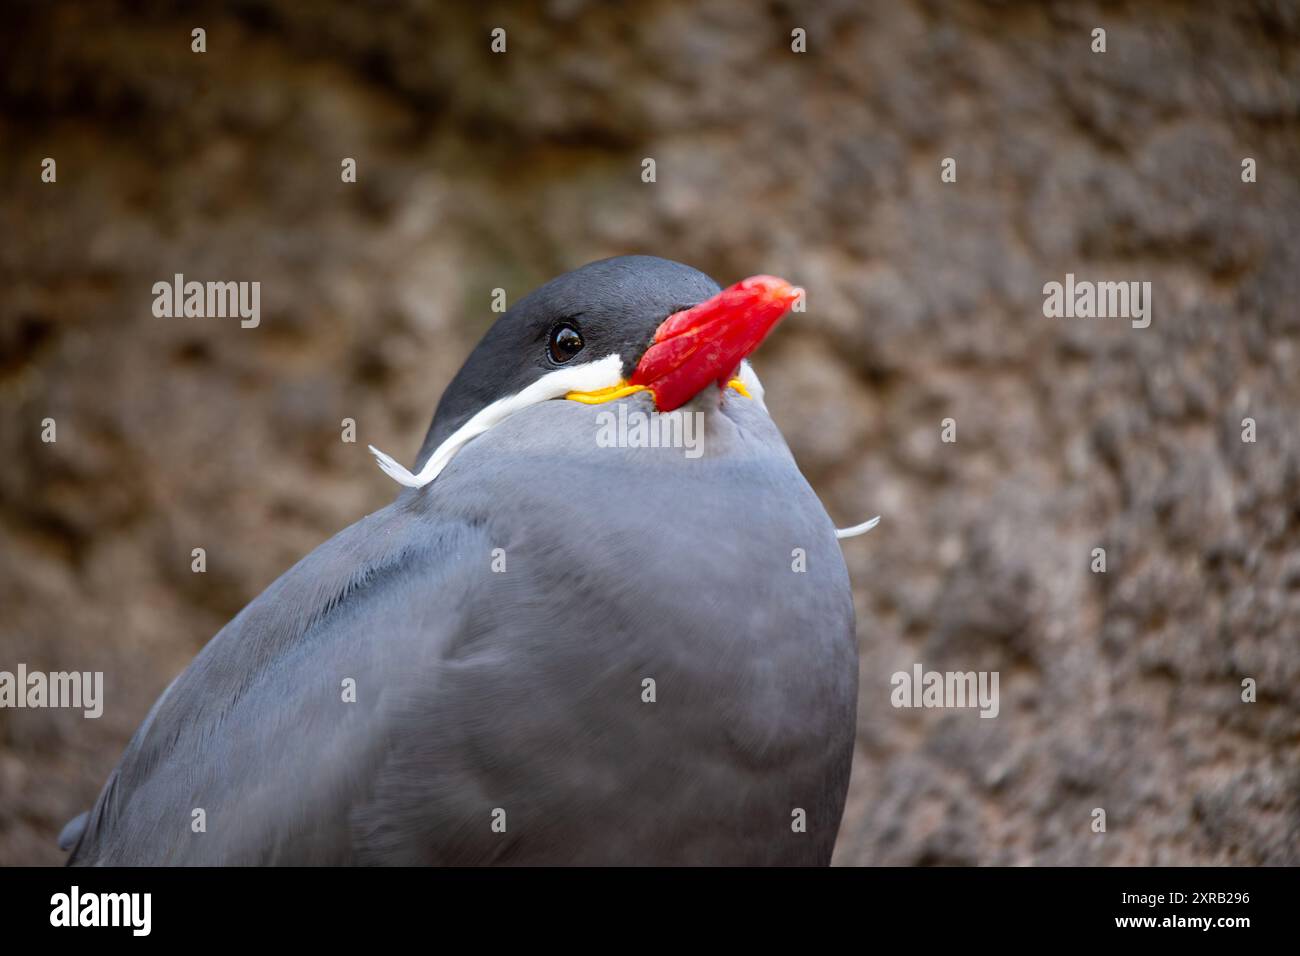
(566, 342)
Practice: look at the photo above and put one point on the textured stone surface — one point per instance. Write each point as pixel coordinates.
(1119, 691)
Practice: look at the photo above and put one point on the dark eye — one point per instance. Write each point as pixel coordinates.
(566, 342)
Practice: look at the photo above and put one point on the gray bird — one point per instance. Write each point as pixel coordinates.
(561, 644)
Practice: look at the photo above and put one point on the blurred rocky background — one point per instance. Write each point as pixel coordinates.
(1119, 690)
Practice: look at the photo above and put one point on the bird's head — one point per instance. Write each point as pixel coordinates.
(609, 329)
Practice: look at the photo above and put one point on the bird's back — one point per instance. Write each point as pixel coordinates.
(566, 654)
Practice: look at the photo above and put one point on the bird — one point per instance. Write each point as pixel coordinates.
(546, 650)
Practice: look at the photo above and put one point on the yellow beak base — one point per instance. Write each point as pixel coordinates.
(602, 395)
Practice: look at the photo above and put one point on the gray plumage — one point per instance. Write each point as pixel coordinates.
(522, 691)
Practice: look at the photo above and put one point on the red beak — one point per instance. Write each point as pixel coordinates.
(706, 342)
